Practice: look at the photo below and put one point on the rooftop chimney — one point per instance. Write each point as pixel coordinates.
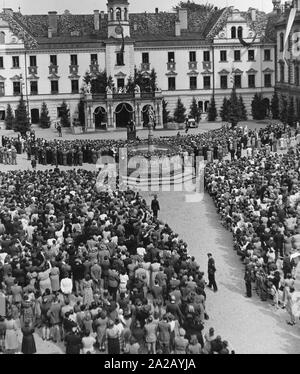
(96, 20)
(52, 23)
(156, 10)
(102, 14)
(183, 19)
(8, 11)
(253, 14)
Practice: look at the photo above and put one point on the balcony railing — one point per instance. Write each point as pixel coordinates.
(123, 96)
(99, 96)
(32, 70)
(74, 69)
(145, 66)
(193, 65)
(53, 69)
(171, 65)
(147, 95)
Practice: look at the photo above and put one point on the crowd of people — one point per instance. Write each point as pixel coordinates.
(97, 271)
(258, 200)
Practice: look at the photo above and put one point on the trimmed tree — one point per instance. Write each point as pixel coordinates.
(9, 118)
(275, 106)
(291, 116)
(165, 112)
(224, 111)
(234, 109)
(195, 110)
(212, 110)
(283, 114)
(242, 109)
(81, 113)
(65, 115)
(44, 118)
(258, 107)
(22, 123)
(179, 112)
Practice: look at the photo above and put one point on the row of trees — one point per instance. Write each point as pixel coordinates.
(233, 110)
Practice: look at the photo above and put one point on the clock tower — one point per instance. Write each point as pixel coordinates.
(118, 18)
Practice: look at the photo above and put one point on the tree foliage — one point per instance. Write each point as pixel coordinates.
(179, 112)
(224, 112)
(65, 115)
(9, 118)
(165, 112)
(275, 106)
(195, 110)
(22, 123)
(242, 109)
(283, 116)
(44, 118)
(291, 115)
(81, 113)
(258, 107)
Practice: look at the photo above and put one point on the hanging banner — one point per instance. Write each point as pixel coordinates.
(288, 30)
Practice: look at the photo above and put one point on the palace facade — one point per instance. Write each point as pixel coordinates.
(194, 53)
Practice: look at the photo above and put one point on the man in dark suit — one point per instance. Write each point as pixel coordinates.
(211, 272)
(73, 342)
(155, 206)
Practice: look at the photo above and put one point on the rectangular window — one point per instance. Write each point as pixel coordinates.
(267, 55)
(54, 87)
(171, 57)
(75, 86)
(33, 87)
(74, 60)
(268, 82)
(171, 84)
(120, 83)
(1, 63)
(206, 83)
(238, 81)
(223, 55)
(32, 60)
(15, 61)
(2, 89)
(237, 55)
(94, 58)
(224, 83)
(206, 56)
(251, 55)
(193, 83)
(17, 88)
(192, 56)
(145, 58)
(120, 58)
(53, 59)
(251, 81)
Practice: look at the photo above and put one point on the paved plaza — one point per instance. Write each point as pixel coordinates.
(250, 325)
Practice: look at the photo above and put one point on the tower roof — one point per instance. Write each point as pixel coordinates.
(117, 2)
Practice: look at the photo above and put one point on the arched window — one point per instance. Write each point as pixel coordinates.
(125, 14)
(2, 37)
(240, 32)
(233, 32)
(118, 14)
(111, 11)
(281, 41)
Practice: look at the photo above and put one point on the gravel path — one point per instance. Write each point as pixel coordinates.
(250, 325)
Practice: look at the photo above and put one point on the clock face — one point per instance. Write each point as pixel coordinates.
(118, 30)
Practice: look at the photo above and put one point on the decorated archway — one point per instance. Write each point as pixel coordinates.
(145, 116)
(124, 114)
(100, 117)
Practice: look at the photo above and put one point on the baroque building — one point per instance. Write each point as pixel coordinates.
(194, 53)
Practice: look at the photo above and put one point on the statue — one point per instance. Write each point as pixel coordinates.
(108, 90)
(89, 88)
(137, 89)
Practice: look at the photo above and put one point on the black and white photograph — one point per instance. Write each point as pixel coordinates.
(149, 180)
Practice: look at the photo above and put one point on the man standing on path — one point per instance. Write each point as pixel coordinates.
(155, 206)
(211, 272)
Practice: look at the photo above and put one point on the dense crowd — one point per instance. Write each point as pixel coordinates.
(258, 200)
(97, 271)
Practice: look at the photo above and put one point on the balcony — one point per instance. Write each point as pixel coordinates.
(193, 65)
(99, 96)
(53, 69)
(94, 68)
(74, 69)
(32, 70)
(145, 66)
(171, 65)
